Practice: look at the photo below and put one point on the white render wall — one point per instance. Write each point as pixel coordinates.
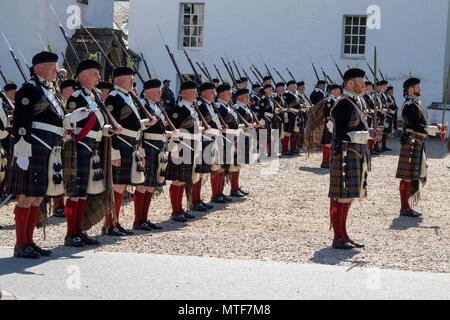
(22, 20)
(291, 32)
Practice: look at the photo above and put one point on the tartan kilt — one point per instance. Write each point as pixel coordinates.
(353, 173)
(83, 166)
(204, 167)
(327, 136)
(245, 157)
(410, 160)
(151, 163)
(229, 158)
(181, 172)
(34, 181)
(122, 174)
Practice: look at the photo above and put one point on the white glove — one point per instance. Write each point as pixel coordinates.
(79, 114)
(330, 126)
(359, 137)
(23, 163)
(432, 130)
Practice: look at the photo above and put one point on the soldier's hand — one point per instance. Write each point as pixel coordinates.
(118, 130)
(151, 122)
(79, 114)
(115, 163)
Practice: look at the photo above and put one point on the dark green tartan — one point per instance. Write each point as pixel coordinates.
(151, 163)
(122, 174)
(34, 181)
(204, 167)
(181, 172)
(83, 166)
(410, 159)
(353, 172)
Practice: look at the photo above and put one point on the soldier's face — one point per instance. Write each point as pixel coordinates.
(125, 82)
(89, 78)
(11, 94)
(268, 91)
(336, 92)
(243, 98)
(301, 88)
(357, 85)
(280, 90)
(189, 95)
(369, 88)
(384, 87)
(47, 70)
(67, 92)
(416, 90)
(321, 86)
(153, 94)
(225, 96)
(291, 87)
(105, 93)
(209, 94)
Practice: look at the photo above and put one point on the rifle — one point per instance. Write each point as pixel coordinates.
(337, 67)
(85, 46)
(203, 71)
(146, 66)
(197, 76)
(281, 77)
(207, 71)
(290, 74)
(218, 72)
(371, 70)
(182, 79)
(239, 74)
(254, 73)
(7, 101)
(229, 73)
(259, 73)
(327, 78)
(315, 71)
(67, 64)
(124, 50)
(375, 100)
(69, 44)
(382, 76)
(3, 76)
(445, 96)
(268, 72)
(19, 66)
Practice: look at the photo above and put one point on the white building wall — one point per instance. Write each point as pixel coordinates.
(292, 33)
(23, 20)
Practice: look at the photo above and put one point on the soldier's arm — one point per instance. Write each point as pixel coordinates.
(341, 114)
(414, 118)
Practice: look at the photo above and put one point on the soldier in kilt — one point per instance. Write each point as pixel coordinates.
(290, 120)
(303, 115)
(335, 93)
(348, 162)
(184, 140)
(126, 148)
(266, 116)
(154, 146)
(88, 136)
(38, 128)
(411, 167)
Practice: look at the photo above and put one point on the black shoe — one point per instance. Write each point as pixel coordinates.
(286, 153)
(245, 193)
(187, 215)
(113, 231)
(153, 226)
(236, 193)
(341, 244)
(208, 206)
(59, 213)
(123, 230)
(356, 244)
(218, 199)
(410, 213)
(42, 252)
(227, 199)
(141, 226)
(325, 166)
(386, 149)
(88, 240)
(73, 241)
(179, 217)
(198, 206)
(26, 251)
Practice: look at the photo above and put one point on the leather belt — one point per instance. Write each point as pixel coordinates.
(50, 128)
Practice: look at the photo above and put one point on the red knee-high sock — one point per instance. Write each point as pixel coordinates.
(345, 209)
(235, 181)
(370, 144)
(376, 145)
(404, 194)
(138, 199)
(59, 203)
(173, 192)
(284, 144)
(325, 155)
(180, 198)
(383, 140)
(118, 203)
(21, 218)
(71, 212)
(196, 190)
(335, 219)
(146, 206)
(108, 220)
(293, 141)
(214, 184)
(35, 214)
(80, 215)
(220, 181)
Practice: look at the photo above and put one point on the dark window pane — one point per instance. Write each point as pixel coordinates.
(354, 49)
(200, 31)
(361, 49)
(362, 40)
(355, 21)
(185, 42)
(348, 30)
(187, 8)
(362, 30)
(186, 20)
(347, 39)
(346, 49)
(187, 31)
(355, 30)
(363, 21)
(193, 42)
(348, 20)
(354, 40)
(194, 20)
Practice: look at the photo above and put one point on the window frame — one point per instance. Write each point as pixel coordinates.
(352, 35)
(191, 26)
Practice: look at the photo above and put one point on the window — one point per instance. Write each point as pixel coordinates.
(355, 35)
(192, 25)
(83, 1)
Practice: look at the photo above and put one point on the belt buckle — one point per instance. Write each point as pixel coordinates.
(57, 150)
(99, 136)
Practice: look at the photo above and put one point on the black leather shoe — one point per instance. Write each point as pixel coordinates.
(410, 213)
(179, 217)
(218, 199)
(153, 226)
(187, 215)
(227, 199)
(42, 252)
(325, 166)
(198, 206)
(386, 149)
(286, 154)
(356, 244)
(141, 226)
(113, 231)
(123, 230)
(236, 193)
(88, 240)
(59, 213)
(73, 241)
(341, 244)
(208, 206)
(26, 251)
(245, 193)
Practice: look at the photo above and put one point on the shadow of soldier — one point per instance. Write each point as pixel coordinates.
(332, 256)
(403, 223)
(315, 170)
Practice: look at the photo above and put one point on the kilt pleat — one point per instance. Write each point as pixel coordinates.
(345, 182)
(83, 166)
(205, 166)
(410, 159)
(122, 173)
(183, 171)
(151, 163)
(34, 181)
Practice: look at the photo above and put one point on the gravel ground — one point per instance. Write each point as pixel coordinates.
(286, 218)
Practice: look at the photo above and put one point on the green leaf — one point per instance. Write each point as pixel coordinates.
(93, 56)
(10, 80)
(130, 63)
(187, 77)
(49, 47)
(155, 75)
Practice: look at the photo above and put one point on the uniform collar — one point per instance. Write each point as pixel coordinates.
(121, 89)
(44, 82)
(350, 94)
